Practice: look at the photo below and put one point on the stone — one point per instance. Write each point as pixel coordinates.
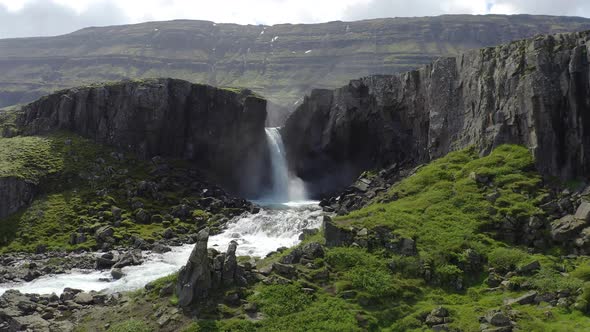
(285, 270)
(566, 228)
(133, 257)
(117, 273)
(159, 248)
(527, 298)
(169, 233)
(230, 264)
(336, 236)
(194, 279)
(313, 250)
(497, 318)
(104, 233)
(529, 268)
(583, 211)
(103, 263)
(83, 298)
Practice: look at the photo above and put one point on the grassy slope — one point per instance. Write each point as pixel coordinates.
(446, 211)
(80, 183)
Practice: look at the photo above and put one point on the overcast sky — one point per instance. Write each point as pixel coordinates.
(22, 18)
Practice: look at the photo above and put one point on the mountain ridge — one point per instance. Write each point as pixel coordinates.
(281, 62)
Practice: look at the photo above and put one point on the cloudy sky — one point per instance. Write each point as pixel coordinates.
(22, 18)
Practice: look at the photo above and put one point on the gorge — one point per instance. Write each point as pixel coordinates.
(454, 197)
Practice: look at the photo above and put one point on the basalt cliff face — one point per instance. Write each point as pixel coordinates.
(281, 62)
(532, 92)
(222, 131)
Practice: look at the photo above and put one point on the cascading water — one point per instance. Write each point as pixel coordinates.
(284, 187)
(283, 216)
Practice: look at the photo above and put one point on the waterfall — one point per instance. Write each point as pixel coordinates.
(284, 186)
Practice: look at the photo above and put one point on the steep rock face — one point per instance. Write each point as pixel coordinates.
(281, 62)
(533, 92)
(14, 194)
(220, 130)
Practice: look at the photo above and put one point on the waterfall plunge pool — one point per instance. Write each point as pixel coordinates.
(285, 213)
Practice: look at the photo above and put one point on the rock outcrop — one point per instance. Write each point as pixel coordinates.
(532, 92)
(14, 194)
(194, 279)
(222, 131)
(208, 270)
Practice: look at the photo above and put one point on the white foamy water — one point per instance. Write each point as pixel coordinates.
(276, 225)
(285, 186)
(256, 234)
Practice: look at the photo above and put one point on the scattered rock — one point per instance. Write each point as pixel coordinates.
(117, 273)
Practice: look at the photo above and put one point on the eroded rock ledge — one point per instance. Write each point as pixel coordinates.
(221, 130)
(532, 92)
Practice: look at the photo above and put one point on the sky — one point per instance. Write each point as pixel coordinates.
(27, 18)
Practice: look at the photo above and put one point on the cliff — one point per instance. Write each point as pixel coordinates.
(532, 92)
(281, 62)
(222, 131)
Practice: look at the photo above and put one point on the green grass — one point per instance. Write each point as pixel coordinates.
(446, 210)
(70, 173)
(130, 326)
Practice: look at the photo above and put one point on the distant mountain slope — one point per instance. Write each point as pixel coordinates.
(281, 62)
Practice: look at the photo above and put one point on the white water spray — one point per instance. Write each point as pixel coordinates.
(285, 187)
(284, 215)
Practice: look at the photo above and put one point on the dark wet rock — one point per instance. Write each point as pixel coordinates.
(117, 273)
(104, 234)
(133, 257)
(159, 248)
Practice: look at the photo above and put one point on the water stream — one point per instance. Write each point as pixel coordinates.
(285, 213)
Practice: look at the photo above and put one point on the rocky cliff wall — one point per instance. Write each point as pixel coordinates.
(14, 194)
(221, 130)
(533, 92)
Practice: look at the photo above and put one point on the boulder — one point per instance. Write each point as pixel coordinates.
(285, 270)
(336, 236)
(230, 264)
(583, 211)
(566, 228)
(194, 279)
(313, 250)
(527, 298)
(104, 234)
(133, 257)
(117, 273)
(159, 248)
(83, 298)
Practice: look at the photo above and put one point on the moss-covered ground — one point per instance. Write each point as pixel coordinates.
(81, 186)
(446, 208)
